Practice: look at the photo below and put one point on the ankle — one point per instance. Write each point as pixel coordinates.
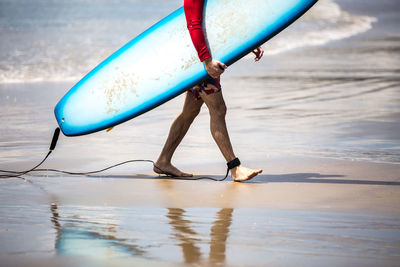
(163, 161)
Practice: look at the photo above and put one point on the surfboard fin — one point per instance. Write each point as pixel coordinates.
(109, 129)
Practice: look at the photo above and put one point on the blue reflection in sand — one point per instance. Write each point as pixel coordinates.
(84, 238)
(223, 236)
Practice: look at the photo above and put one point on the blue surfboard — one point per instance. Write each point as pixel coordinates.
(162, 63)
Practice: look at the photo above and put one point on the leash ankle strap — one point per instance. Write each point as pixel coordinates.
(233, 163)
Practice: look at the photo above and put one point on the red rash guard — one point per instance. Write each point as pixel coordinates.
(194, 17)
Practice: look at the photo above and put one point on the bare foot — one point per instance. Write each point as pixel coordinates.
(240, 173)
(169, 169)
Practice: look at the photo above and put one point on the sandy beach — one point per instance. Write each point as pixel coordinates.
(319, 184)
(322, 121)
(308, 210)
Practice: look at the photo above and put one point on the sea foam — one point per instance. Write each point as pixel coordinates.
(323, 23)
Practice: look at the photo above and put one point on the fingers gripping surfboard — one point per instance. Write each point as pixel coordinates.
(162, 63)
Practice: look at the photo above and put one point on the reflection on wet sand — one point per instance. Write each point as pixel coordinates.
(185, 235)
(79, 238)
(219, 235)
(196, 236)
(187, 240)
(108, 235)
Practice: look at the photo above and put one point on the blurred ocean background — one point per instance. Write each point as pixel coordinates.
(61, 40)
(328, 86)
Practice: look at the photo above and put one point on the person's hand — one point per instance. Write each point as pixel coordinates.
(214, 67)
(259, 52)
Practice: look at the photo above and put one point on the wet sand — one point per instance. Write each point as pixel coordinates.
(304, 210)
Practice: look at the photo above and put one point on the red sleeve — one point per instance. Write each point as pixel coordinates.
(194, 17)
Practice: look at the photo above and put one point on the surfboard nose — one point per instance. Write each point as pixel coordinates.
(60, 118)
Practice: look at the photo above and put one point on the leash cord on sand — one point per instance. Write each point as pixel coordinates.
(17, 174)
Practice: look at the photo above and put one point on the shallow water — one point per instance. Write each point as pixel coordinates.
(199, 235)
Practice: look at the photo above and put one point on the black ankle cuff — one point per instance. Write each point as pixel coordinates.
(233, 163)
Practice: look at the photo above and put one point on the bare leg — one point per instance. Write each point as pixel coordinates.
(178, 130)
(217, 108)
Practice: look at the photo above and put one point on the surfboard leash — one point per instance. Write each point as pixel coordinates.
(17, 174)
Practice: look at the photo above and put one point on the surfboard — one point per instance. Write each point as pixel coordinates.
(162, 63)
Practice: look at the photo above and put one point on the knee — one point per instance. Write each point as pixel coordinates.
(219, 110)
(190, 114)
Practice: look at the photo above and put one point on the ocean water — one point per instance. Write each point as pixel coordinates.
(48, 40)
(328, 86)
